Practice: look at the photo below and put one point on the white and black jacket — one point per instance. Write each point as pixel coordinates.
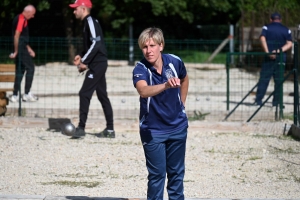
(94, 49)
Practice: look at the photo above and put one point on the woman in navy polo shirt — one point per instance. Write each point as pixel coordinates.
(162, 83)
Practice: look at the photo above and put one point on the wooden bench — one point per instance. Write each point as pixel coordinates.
(7, 75)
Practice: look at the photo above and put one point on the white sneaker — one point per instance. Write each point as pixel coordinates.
(13, 98)
(29, 97)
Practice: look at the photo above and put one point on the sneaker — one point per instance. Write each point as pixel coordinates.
(79, 133)
(106, 133)
(29, 97)
(13, 98)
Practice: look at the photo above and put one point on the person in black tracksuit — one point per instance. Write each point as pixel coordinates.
(94, 58)
(23, 54)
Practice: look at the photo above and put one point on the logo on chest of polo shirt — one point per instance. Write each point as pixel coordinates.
(169, 73)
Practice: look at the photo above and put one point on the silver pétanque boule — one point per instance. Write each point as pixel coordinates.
(68, 129)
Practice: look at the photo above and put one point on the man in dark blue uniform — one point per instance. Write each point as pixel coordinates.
(274, 38)
(94, 58)
(162, 83)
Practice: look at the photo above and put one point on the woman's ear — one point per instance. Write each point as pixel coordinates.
(161, 47)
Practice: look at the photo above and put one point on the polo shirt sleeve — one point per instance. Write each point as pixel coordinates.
(264, 31)
(182, 70)
(20, 24)
(139, 73)
(94, 46)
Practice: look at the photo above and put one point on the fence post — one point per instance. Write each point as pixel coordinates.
(296, 86)
(281, 70)
(231, 42)
(227, 80)
(19, 75)
(131, 48)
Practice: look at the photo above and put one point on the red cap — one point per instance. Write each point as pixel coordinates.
(77, 3)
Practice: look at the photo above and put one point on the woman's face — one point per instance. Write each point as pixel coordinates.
(152, 51)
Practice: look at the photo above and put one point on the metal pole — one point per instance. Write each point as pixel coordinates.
(131, 47)
(240, 102)
(281, 87)
(218, 49)
(227, 80)
(296, 86)
(19, 75)
(231, 42)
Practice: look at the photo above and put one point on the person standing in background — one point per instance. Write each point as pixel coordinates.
(275, 38)
(162, 83)
(23, 54)
(93, 58)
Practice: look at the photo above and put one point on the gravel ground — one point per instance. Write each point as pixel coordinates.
(223, 160)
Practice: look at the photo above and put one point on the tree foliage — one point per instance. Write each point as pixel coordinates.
(261, 10)
(177, 17)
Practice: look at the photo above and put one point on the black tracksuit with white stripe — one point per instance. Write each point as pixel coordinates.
(95, 56)
(93, 43)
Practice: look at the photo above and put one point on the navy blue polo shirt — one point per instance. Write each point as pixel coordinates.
(276, 35)
(164, 112)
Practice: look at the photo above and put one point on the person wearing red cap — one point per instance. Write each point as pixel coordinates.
(78, 3)
(93, 60)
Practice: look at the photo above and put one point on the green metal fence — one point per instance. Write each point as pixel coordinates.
(57, 82)
(242, 80)
(49, 49)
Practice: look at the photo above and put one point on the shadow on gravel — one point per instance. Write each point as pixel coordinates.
(55, 124)
(97, 198)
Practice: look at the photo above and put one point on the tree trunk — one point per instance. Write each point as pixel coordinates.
(68, 21)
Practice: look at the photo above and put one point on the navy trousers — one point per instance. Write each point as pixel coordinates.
(165, 154)
(270, 68)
